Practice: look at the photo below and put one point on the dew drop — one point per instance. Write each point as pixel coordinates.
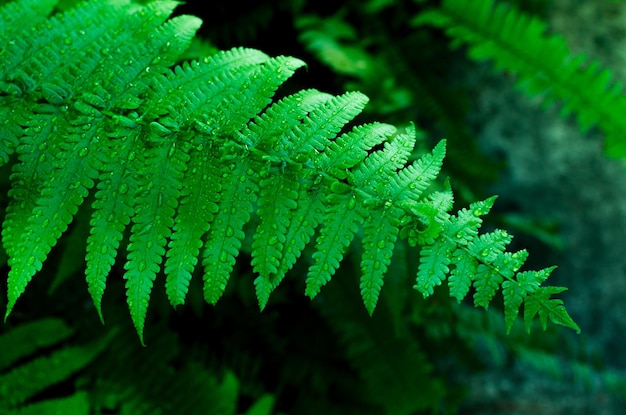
(223, 256)
(123, 189)
(83, 152)
(352, 203)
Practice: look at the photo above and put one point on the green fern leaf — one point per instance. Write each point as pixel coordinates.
(280, 190)
(434, 266)
(196, 212)
(539, 302)
(514, 292)
(340, 224)
(160, 189)
(350, 148)
(278, 198)
(461, 276)
(57, 205)
(304, 221)
(113, 208)
(486, 282)
(188, 154)
(411, 181)
(431, 216)
(379, 237)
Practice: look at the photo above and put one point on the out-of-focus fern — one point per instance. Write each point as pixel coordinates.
(519, 43)
(184, 158)
(109, 374)
(22, 382)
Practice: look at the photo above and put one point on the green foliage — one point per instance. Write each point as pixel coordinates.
(108, 376)
(519, 43)
(181, 158)
(20, 383)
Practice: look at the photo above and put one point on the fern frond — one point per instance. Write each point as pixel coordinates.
(186, 156)
(197, 209)
(539, 302)
(77, 404)
(379, 237)
(30, 337)
(24, 381)
(516, 291)
(519, 43)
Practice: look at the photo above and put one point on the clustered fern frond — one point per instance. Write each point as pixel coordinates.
(184, 156)
(545, 66)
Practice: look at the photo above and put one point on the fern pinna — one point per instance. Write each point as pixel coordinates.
(185, 156)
